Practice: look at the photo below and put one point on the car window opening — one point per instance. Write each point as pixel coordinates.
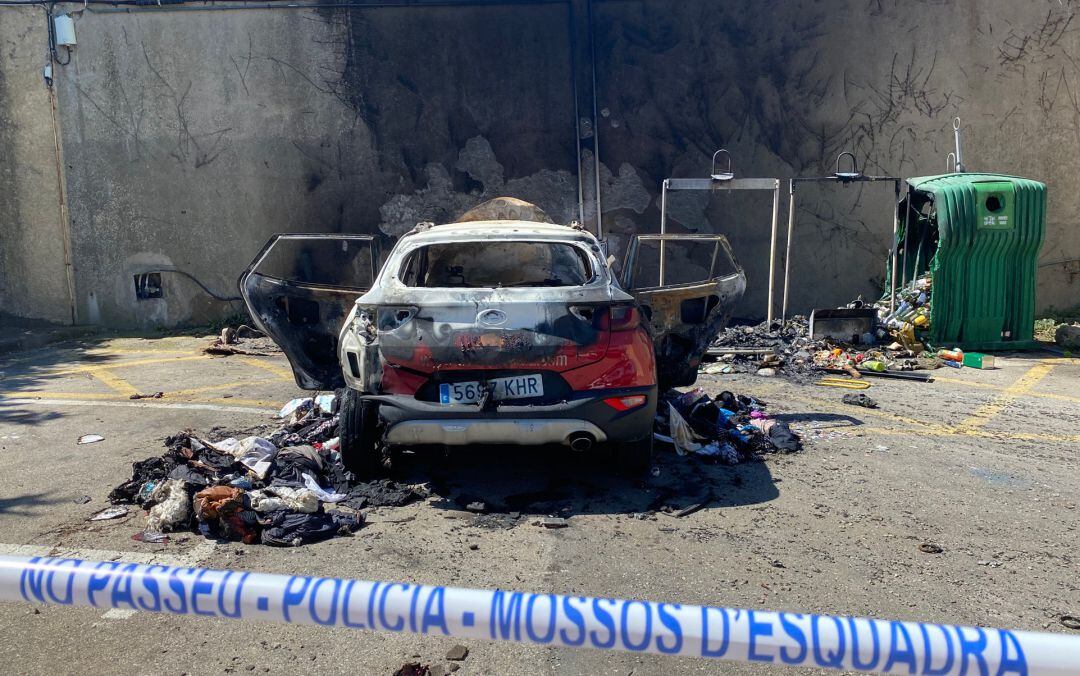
(510, 264)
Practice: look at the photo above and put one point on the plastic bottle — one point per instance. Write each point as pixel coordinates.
(873, 365)
(951, 355)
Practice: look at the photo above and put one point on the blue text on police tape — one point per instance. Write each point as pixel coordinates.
(789, 638)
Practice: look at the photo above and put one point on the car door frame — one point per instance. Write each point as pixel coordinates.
(680, 344)
(304, 369)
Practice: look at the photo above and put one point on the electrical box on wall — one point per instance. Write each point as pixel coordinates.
(64, 30)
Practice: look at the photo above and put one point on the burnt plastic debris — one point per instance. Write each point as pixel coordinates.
(859, 400)
(729, 428)
(786, 348)
(257, 490)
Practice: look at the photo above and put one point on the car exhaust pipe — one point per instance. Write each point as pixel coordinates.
(581, 441)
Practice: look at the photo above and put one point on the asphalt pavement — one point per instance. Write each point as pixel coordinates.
(981, 463)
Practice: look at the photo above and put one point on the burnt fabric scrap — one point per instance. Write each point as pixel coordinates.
(292, 529)
(382, 493)
(292, 463)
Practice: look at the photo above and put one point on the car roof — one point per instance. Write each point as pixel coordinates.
(501, 230)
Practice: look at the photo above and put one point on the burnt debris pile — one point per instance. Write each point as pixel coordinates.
(290, 488)
(786, 348)
(728, 428)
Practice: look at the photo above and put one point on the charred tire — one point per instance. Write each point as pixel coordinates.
(634, 458)
(358, 431)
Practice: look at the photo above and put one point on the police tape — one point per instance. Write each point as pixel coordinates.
(797, 639)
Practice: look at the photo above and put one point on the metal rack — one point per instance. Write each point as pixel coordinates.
(844, 177)
(725, 180)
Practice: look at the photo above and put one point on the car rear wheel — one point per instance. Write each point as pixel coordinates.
(634, 458)
(358, 431)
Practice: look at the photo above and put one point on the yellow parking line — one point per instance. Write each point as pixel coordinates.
(1002, 388)
(45, 394)
(279, 371)
(91, 368)
(114, 382)
(211, 388)
(99, 396)
(924, 428)
(986, 412)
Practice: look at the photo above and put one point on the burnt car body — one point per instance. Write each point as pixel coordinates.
(492, 330)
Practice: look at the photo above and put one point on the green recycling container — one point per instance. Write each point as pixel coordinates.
(978, 236)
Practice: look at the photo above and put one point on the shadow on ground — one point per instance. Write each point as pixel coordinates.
(28, 504)
(32, 370)
(557, 482)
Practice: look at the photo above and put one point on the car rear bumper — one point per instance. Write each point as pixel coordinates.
(410, 421)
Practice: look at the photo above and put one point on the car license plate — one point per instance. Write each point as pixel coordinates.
(514, 387)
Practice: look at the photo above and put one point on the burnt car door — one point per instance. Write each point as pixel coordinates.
(300, 288)
(687, 287)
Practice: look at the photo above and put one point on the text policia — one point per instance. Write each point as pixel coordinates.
(543, 619)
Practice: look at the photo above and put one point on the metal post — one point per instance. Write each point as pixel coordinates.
(772, 247)
(892, 248)
(959, 149)
(907, 234)
(787, 250)
(663, 225)
(595, 123)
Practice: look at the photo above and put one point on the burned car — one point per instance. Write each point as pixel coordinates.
(500, 328)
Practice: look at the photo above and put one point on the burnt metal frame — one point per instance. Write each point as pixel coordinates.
(772, 184)
(720, 243)
(854, 176)
(373, 252)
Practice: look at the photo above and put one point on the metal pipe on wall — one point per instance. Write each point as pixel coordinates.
(596, 126)
(663, 224)
(772, 248)
(787, 247)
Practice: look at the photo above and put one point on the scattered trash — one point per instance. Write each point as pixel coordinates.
(930, 548)
(109, 513)
(301, 404)
(82, 499)
(477, 506)
(856, 339)
(859, 400)
(254, 489)
(170, 506)
(1070, 622)
(155, 395)
(320, 492)
(292, 529)
(552, 522)
(274, 498)
(978, 360)
(225, 344)
(989, 563)
(729, 428)
(150, 537)
(457, 653)
(90, 438)
(325, 403)
(690, 509)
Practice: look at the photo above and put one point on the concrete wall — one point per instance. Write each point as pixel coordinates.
(33, 278)
(191, 136)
